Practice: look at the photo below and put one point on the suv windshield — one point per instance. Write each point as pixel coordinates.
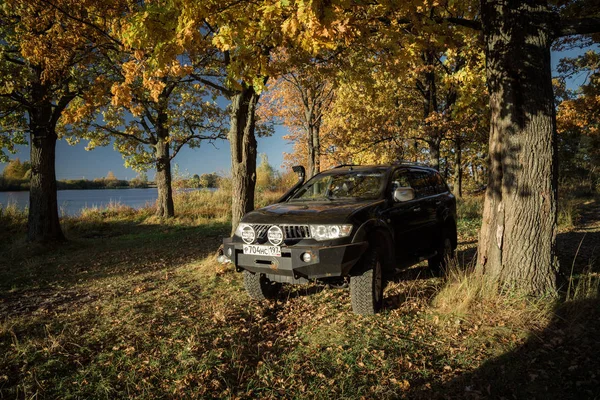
(361, 185)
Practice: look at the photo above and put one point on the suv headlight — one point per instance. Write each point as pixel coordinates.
(328, 232)
(246, 232)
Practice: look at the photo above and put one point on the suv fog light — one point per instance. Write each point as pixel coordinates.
(223, 260)
(229, 252)
(306, 257)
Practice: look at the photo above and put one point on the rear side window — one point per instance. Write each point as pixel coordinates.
(422, 182)
(439, 184)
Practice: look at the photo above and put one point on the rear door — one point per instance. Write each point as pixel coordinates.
(423, 181)
(408, 220)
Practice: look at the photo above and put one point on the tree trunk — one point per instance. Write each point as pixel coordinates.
(434, 153)
(310, 167)
(517, 239)
(317, 148)
(165, 207)
(43, 224)
(314, 151)
(243, 153)
(458, 168)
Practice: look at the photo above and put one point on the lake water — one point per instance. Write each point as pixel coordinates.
(70, 202)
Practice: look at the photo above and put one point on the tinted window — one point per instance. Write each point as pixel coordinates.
(421, 181)
(366, 185)
(439, 183)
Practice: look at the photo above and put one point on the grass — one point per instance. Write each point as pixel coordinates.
(136, 307)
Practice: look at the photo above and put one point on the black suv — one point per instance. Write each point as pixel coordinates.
(350, 223)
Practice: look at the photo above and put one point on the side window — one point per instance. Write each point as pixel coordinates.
(439, 183)
(421, 181)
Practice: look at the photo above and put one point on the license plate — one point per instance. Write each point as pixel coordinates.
(258, 250)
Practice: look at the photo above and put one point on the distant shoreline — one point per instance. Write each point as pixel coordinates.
(88, 188)
(22, 185)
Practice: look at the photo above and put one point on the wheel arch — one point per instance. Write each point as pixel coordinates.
(378, 234)
(450, 229)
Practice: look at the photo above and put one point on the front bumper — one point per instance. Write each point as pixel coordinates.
(330, 261)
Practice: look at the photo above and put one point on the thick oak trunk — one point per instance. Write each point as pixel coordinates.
(517, 239)
(43, 224)
(243, 153)
(165, 207)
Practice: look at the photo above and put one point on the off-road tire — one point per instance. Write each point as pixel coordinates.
(366, 289)
(259, 287)
(445, 252)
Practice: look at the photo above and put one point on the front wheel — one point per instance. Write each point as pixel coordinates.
(259, 287)
(366, 289)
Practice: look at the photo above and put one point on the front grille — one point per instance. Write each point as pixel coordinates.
(289, 231)
(296, 231)
(261, 231)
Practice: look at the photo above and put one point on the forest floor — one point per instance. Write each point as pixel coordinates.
(130, 307)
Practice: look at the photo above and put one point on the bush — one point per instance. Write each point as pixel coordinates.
(12, 220)
(469, 207)
(11, 184)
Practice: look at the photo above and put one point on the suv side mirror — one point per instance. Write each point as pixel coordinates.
(404, 194)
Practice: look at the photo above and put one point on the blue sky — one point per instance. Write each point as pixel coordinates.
(73, 162)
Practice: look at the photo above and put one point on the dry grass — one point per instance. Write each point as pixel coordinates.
(12, 222)
(202, 205)
(476, 297)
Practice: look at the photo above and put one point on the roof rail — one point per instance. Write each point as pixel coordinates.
(344, 165)
(406, 162)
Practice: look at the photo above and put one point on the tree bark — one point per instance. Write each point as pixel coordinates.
(518, 232)
(314, 151)
(243, 153)
(434, 153)
(43, 224)
(317, 148)
(165, 207)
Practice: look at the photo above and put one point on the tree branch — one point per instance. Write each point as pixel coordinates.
(14, 60)
(468, 23)
(18, 98)
(213, 85)
(577, 26)
(84, 22)
(115, 132)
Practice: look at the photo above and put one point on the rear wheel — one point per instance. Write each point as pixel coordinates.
(259, 287)
(445, 252)
(366, 289)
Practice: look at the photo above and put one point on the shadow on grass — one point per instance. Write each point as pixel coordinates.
(578, 252)
(560, 362)
(288, 292)
(34, 277)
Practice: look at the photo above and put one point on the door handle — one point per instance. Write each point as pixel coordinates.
(417, 209)
(437, 203)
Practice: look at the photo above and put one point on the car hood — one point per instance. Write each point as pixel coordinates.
(308, 212)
